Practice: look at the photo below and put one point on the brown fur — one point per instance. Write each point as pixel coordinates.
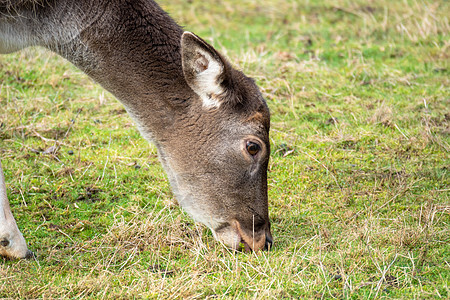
(138, 53)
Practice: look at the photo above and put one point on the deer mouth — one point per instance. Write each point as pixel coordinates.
(254, 241)
(235, 237)
(245, 247)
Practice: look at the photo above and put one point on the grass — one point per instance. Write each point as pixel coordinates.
(358, 179)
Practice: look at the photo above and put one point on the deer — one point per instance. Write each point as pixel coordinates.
(209, 121)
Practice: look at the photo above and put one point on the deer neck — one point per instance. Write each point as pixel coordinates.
(132, 49)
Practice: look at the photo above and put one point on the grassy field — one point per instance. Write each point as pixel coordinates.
(358, 179)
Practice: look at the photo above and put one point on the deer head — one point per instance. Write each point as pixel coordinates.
(217, 154)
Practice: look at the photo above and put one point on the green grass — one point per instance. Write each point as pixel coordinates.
(358, 178)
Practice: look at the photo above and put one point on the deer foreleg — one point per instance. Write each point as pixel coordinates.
(12, 242)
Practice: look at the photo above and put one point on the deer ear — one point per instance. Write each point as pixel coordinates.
(203, 68)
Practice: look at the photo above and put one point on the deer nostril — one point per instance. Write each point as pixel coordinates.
(30, 255)
(4, 242)
(269, 242)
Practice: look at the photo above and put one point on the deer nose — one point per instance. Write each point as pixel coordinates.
(30, 255)
(269, 241)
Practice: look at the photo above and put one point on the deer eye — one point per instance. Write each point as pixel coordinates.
(253, 148)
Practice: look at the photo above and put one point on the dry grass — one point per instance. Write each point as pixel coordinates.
(358, 179)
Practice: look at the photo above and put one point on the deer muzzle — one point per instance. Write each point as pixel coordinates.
(234, 236)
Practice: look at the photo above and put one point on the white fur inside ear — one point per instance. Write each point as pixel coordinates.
(208, 70)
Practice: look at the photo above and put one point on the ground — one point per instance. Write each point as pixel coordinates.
(358, 177)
